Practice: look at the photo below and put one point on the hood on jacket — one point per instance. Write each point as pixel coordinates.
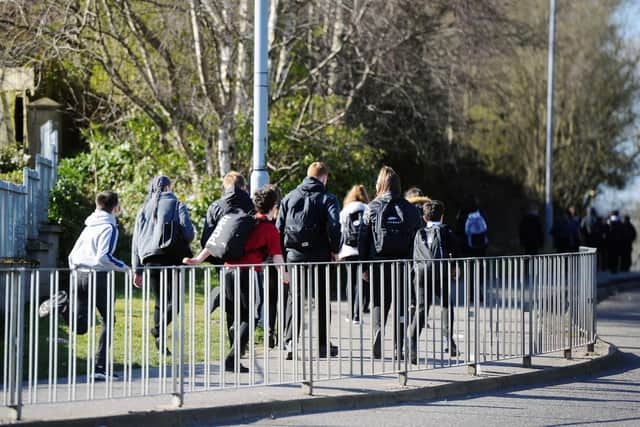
(236, 198)
(100, 217)
(354, 206)
(311, 184)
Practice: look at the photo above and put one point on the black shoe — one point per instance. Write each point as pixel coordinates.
(166, 350)
(229, 367)
(333, 352)
(100, 374)
(58, 301)
(453, 351)
(272, 341)
(377, 347)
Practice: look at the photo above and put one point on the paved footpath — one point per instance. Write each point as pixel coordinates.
(271, 404)
(609, 397)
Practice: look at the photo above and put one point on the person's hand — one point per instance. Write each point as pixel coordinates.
(334, 256)
(137, 280)
(365, 276)
(189, 261)
(285, 279)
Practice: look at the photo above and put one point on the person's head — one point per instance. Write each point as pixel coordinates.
(159, 184)
(615, 213)
(433, 210)
(107, 201)
(571, 210)
(319, 171)
(357, 193)
(627, 219)
(266, 199)
(388, 182)
(233, 180)
(413, 192)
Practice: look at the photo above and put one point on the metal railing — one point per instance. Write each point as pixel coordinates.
(192, 329)
(24, 207)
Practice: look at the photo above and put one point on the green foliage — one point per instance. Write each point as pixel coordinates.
(301, 131)
(12, 161)
(124, 160)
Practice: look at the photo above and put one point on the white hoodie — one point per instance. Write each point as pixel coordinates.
(355, 206)
(94, 248)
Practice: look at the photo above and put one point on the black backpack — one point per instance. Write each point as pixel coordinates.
(228, 239)
(351, 229)
(391, 233)
(302, 224)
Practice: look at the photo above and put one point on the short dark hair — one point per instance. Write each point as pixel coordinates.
(106, 201)
(266, 198)
(433, 210)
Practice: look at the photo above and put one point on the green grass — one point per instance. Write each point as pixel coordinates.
(139, 336)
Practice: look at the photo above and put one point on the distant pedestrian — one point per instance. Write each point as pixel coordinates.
(531, 231)
(629, 237)
(161, 238)
(565, 233)
(93, 252)
(389, 228)
(351, 220)
(615, 241)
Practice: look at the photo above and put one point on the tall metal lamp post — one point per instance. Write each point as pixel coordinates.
(259, 174)
(549, 148)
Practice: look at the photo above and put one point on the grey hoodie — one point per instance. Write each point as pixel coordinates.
(94, 248)
(146, 234)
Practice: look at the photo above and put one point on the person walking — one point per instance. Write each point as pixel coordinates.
(234, 197)
(627, 250)
(531, 232)
(351, 219)
(309, 226)
(387, 235)
(262, 242)
(93, 253)
(161, 238)
(433, 241)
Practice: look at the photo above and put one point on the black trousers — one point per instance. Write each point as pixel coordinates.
(231, 275)
(429, 285)
(82, 319)
(272, 300)
(389, 278)
(303, 278)
(161, 281)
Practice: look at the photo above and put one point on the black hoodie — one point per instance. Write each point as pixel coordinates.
(328, 241)
(232, 198)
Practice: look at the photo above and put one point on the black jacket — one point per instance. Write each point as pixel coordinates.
(233, 198)
(328, 241)
(366, 247)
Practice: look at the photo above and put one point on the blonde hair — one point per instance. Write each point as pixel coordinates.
(357, 193)
(317, 170)
(233, 179)
(388, 181)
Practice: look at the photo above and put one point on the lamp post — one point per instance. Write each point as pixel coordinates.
(259, 174)
(549, 147)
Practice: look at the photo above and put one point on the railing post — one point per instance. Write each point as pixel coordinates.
(178, 383)
(404, 331)
(591, 284)
(307, 378)
(526, 358)
(475, 282)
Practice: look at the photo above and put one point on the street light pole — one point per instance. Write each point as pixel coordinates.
(549, 148)
(259, 174)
